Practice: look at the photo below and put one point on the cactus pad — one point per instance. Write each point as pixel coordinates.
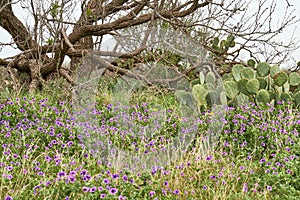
(297, 98)
(236, 71)
(263, 69)
(242, 86)
(210, 78)
(231, 89)
(263, 96)
(251, 63)
(286, 97)
(252, 86)
(280, 78)
(227, 76)
(247, 73)
(199, 92)
(201, 78)
(274, 70)
(294, 79)
(262, 83)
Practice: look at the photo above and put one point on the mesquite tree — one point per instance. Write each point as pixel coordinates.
(61, 28)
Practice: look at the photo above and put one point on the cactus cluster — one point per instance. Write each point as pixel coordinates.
(261, 83)
(207, 91)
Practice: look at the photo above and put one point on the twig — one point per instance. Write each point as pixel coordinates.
(65, 74)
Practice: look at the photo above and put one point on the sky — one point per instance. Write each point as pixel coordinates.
(8, 51)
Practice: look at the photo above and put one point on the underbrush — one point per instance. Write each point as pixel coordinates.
(46, 153)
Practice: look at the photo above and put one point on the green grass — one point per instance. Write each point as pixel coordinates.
(45, 155)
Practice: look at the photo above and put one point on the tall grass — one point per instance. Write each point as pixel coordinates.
(44, 154)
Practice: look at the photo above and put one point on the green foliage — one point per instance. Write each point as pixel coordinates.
(227, 76)
(262, 83)
(274, 70)
(297, 98)
(251, 63)
(263, 69)
(55, 10)
(50, 41)
(231, 88)
(41, 137)
(280, 78)
(89, 12)
(263, 96)
(247, 73)
(242, 86)
(199, 92)
(252, 86)
(286, 97)
(236, 71)
(294, 79)
(210, 78)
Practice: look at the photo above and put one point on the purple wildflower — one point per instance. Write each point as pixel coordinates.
(113, 191)
(176, 192)
(61, 174)
(106, 181)
(85, 189)
(151, 193)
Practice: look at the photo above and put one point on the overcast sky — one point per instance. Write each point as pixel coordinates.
(8, 51)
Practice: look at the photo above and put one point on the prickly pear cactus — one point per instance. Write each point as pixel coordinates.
(236, 71)
(223, 98)
(241, 99)
(251, 63)
(187, 102)
(294, 79)
(286, 97)
(231, 88)
(274, 70)
(297, 98)
(247, 73)
(210, 78)
(252, 86)
(263, 69)
(213, 98)
(263, 96)
(185, 98)
(199, 92)
(280, 78)
(242, 86)
(262, 83)
(201, 78)
(227, 77)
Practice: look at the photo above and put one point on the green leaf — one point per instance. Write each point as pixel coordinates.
(263, 69)
(50, 41)
(89, 12)
(251, 63)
